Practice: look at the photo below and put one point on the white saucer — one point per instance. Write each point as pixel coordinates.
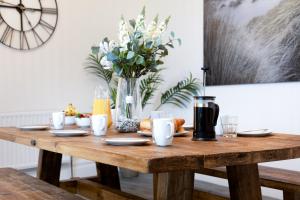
(188, 126)
(126, 141)
(149, 134)
(33, 128)
(68, 133)
(254, 133)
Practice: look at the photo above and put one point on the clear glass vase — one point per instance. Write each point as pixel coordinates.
(128, 105)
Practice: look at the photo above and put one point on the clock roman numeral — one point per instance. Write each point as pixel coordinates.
(7, 35)
(51, 11)
(37, 38)
(46, 26)
(1, 21)
(24, 41)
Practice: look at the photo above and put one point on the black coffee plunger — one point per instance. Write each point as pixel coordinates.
(206, 113)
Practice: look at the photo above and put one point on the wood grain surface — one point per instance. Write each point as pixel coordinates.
(17, 185)
(243, 182)
(184, 154)
(281, 179)
(49, 167)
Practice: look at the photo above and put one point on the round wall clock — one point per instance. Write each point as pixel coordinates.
(27, 24)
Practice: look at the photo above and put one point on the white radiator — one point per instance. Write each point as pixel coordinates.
(15, 155)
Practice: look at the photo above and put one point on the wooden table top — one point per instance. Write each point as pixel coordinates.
(184, 154)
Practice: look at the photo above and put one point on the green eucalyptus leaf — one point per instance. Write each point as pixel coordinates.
(172, 34)
(140, 60)
(179, 41)
(170, 45)
(95, 50)
(149, 44)
(132, 23)
(118, 70)
(111, 57)
(130, 55)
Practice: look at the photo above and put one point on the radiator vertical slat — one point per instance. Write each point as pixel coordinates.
(20, 156)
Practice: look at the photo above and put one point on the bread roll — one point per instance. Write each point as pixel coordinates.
(178, 124)
(145, 124)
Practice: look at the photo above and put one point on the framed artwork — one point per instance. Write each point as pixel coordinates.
(251, 41)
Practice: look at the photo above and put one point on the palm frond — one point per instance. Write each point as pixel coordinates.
(113, 97)
(149, 85)
(94, 66)
(181, 94)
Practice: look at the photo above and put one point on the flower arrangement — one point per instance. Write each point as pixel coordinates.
(139, 52)
(140, 48)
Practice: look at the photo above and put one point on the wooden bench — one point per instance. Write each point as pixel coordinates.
(286, 180)
(17, 185)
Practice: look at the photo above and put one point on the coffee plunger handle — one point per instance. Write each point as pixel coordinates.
(205, 69)
(217, 110)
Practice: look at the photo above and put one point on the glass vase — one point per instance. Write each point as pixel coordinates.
(128, 105)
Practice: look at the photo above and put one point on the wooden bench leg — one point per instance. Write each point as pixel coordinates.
(49, 166)
(244, 182)
(108, 175)
(173, 185)
(287, 195)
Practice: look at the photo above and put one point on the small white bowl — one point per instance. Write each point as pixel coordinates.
(70, 120)
(83, 122)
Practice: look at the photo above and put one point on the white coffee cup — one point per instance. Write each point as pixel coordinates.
(58, 120)
(163, 131)
(158, 114)
(99, 125)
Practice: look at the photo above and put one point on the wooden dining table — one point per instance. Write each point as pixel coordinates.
(172, 167)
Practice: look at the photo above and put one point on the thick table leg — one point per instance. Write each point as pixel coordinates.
(108, 175)
(244, 182)
(173, 185)
(49, 166)
(287, 195)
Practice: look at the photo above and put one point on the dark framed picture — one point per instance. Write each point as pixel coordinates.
(251, 41)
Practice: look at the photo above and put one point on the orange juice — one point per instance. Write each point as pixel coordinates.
(102, 106)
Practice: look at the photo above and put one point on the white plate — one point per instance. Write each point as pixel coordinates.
(68, 133)
(149, 134)
(126, 141)
(255, 133)
(188, 126)
(33, 128)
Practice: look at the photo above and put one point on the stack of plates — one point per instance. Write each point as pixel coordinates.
(33, 128)
(69, 133)
(254, 133)
(126, 141)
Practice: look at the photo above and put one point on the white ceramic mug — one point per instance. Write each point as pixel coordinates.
(158, 114)
(99, 125)
(58, 120)
(163, 131)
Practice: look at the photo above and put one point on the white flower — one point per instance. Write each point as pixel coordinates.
(140, 23)
(123, 33)
(104, 47)
(105, 63)
(162, 27)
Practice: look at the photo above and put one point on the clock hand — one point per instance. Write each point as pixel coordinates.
(33, 9)
(5, 6)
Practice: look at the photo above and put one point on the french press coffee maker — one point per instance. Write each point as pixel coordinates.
(206, 113)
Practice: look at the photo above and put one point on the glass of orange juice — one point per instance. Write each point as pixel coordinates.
(101, 104)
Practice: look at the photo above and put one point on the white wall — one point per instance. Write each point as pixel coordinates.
(51, 76)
